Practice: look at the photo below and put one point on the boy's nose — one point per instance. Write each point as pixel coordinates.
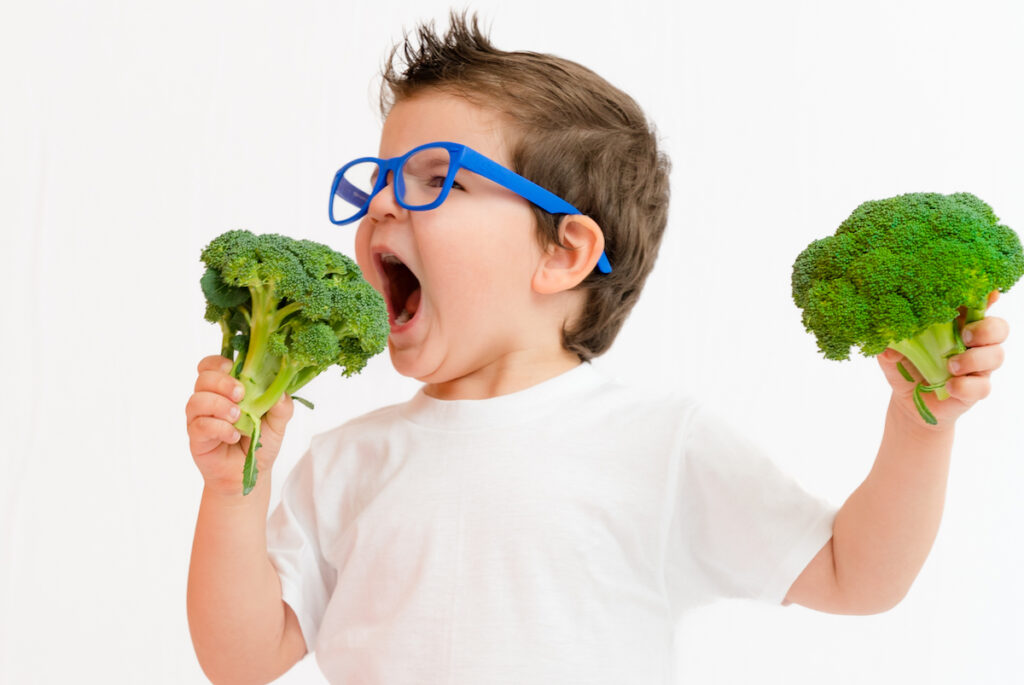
(384, 203)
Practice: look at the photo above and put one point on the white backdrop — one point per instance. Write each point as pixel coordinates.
(132, 133)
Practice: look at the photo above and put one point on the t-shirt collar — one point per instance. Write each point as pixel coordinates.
(514, 408)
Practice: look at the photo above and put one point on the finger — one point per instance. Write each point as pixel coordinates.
(993, 297)
(991, 330)
(220, 383)
(207, 433)
(977, 360)
(211, 404)
(969, 389)
(215, 362)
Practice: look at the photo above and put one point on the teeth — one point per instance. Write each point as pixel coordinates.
(403, 318)
(390, 259)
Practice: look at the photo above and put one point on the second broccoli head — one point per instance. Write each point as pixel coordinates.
(896, 273)
(288, 310)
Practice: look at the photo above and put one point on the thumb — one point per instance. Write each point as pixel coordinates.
(993, 297)
(277, 418)
(888, 361)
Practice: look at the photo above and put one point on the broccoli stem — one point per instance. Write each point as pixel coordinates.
(250, 421)
(253, 372)
(929, 351)
(258, 400)
(225, 346)
(975, 314)
(284, 312)
(302, 377)
(262, 404)
(263, 305)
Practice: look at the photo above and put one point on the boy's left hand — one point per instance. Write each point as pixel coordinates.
(971, 372)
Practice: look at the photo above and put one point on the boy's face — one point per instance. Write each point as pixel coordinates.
(473, 258)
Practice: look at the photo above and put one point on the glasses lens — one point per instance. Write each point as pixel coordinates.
(353, 191)
(423, 176)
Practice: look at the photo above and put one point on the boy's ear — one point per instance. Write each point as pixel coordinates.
(562, 268)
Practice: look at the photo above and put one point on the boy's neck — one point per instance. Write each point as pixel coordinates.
(513, 372)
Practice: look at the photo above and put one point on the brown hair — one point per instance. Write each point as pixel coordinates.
(576, 135)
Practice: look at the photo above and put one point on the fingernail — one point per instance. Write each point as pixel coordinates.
(238, 393)
(967, 335)
(236, 436)
(235, 413)
(954, 366)
(226, 366)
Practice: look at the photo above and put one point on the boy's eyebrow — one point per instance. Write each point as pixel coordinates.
(430, 163)
(436, 162)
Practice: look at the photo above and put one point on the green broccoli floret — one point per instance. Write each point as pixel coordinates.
(288, 309)
(896, 273)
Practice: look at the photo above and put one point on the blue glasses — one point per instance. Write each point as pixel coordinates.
(423, 177)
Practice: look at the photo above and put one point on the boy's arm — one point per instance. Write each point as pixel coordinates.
(241, 629)
(885, 530)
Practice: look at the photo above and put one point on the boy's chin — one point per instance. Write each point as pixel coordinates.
(411, 364)
(431, 371)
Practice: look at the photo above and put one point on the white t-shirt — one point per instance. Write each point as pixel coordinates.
(553, 535)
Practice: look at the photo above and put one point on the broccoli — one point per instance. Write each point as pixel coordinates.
(895, 275)
(288, 309)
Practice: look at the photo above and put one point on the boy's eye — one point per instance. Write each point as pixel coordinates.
(438, 181)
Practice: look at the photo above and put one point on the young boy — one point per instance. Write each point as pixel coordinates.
(521, 519)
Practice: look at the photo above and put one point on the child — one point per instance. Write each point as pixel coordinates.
(521, 519)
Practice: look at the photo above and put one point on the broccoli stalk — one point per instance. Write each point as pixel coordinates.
(929, 351)
(288, 309)
(897, 273)
(267, 371)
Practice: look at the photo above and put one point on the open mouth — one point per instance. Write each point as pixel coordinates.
(403, 289)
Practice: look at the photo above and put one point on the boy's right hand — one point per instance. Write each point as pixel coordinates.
(217, 448)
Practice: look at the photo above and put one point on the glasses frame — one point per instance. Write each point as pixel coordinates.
(462, 157)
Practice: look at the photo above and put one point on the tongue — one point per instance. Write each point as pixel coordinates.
(413, 303)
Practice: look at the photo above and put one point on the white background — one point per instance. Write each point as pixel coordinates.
(133, 133)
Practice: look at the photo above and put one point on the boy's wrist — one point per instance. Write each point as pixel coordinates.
(908, 422)
(229, 494)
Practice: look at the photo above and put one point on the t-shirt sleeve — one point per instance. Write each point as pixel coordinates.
(740, 527)
(293, 544)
